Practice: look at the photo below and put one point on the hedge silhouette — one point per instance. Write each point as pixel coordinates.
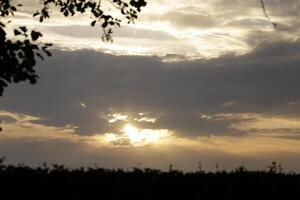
(60, 182)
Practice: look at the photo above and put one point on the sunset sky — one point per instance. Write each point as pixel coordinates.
(190, 81)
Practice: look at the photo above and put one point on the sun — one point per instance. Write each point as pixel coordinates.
(143, 136)
(132, 133)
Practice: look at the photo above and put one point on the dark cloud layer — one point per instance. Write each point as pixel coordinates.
(263, 81)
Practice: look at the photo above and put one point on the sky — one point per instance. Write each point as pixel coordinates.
(191, 81)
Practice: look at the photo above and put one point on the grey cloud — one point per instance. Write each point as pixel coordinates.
(284, 8)
(264, 81)
(249, 22)
(7, 119)
(189, 20)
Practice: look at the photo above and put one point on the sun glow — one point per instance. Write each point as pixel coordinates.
(132, 133)
(117, 117)
(138, 137)
(143, 136)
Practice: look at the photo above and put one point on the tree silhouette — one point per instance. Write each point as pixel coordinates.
(61, 182)
(18, 54)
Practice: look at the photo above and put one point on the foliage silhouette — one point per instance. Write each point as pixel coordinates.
(60, 182)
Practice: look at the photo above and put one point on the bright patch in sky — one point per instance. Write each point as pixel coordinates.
(137, 137)
(117, 117)
(145, 119)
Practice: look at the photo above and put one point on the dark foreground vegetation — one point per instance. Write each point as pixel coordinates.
(58, 182)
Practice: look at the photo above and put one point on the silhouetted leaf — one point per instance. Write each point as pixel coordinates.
(93, 23)
(17, 32)
(40, 56)
(36, 14)
(48, 53)
(13, 8)
(66, 13)
(23, 28)
(104, 25)
(35, 35)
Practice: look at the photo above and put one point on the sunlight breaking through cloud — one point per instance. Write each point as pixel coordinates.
(20, 128)
(138, 137)
(117, 117)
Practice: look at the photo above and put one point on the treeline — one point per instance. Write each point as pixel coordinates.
(59, 182)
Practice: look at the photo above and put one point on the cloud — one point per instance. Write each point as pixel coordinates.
(230, 103)
(188, 20)
(263, 82)
(27, 141)
(25, 127)
(188, 29)
(270, 126)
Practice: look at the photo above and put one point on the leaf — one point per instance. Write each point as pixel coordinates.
(66, 13)
(20, 54)
(35, 14)
(2, 33)
(13, 8)
(33, 80)
(93, 23)
(17, 32)
(48, 53)
(104, 25)
(23, 28)
(40, 56)
(35, 35)
(72, 12)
